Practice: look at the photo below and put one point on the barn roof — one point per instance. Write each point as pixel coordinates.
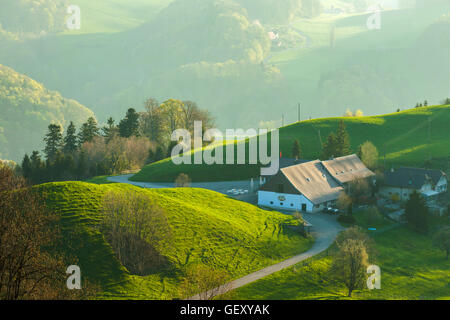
(347, 169)
(412, 178)
(313, 181)
(287, 162)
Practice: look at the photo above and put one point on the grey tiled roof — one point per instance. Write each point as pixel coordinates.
(411, 178)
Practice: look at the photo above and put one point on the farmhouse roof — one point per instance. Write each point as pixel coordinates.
(412, 178)
(313, 181)
(288, 162)
(347, 169)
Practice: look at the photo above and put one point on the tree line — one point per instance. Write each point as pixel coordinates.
(138, 139)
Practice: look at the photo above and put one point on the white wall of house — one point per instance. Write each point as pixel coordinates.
(403, 194)
(292, 202)
(442, 185)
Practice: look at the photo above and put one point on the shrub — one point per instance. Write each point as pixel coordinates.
(345, 218)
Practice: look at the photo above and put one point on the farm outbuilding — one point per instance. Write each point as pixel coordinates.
(311, 186)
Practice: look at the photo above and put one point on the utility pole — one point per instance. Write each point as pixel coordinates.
(299, 112)
(282, 120)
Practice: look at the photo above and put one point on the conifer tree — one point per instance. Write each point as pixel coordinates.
(330, 147)
(129, 126)
(70, 140)
(53, 141)
(343, 141)
(416, 213)
(88, 131)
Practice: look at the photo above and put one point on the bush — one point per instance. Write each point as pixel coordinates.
(346, 219)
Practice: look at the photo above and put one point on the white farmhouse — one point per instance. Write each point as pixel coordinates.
(311, 186)
(304, 187)
(404, 181)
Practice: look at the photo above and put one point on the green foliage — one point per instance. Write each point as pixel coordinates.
(442, 240)
(401, 137)
(129, 126)
(342, 140)
(279, 11)
(417, 213)
(70, 140)
(296, 150)
(27, 108)
(411, 269)
(33, 16)
(208, 228)
(368, 154)
(53, 141)
(88, 131)
(347, 219)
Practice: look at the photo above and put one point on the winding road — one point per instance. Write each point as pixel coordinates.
(325, 229)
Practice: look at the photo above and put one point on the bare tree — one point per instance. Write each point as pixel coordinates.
(182, 181)
(344, 201)
(135, 227)
(27, 270)
(204, 283)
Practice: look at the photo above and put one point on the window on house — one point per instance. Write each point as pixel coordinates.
(281, 204)
(292, 204)
(271, 202)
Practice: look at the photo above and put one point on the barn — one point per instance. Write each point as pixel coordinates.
(304, 187)
(312, 186)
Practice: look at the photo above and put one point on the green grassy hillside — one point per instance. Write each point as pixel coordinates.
(411, 268)
(405, 138)
(106, 16)
(208, 227)
(124, 53)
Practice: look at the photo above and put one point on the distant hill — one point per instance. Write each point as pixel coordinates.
(207, 228)
(405, 138)
(26, 109)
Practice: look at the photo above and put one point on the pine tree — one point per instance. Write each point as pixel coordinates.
(26, 167)
(110, 130)
(330, 147)
(37, 167)
(129, 126)
(70, 140)
(343, 141)
(88, 131)
(296, 150)
(53, 141)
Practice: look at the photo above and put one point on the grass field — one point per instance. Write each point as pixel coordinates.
(108, 16)
(407, 138)
(411, 268)
(208, 228)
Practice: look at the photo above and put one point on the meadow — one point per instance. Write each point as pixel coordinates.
(411, 269)
(114, 15)
(207, 228)
(407, 138)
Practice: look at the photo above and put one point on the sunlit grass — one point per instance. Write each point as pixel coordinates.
(411, 268)
(207, 228)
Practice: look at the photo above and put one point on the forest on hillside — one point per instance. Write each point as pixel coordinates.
(32, 16)
(27, 108)
(220, 54)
